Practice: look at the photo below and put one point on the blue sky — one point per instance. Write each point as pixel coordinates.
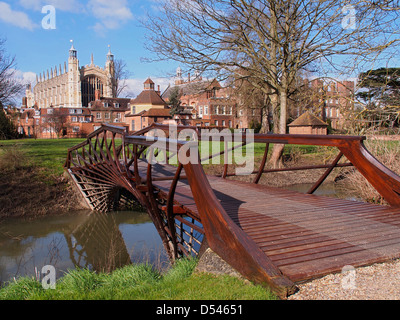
(92, 24)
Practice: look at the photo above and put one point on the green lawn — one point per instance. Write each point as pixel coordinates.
(51, 153)
(47, 153)
(138, 282)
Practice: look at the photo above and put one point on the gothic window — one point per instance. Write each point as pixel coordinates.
(89, 86)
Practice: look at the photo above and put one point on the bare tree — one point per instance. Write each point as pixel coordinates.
(10, 86)
(122, 74)
(57, 121)
(269, 41)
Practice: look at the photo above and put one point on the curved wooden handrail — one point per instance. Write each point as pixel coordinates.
(223, 236)
(229, 241)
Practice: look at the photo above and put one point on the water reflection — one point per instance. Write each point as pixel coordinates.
(329, 189)
(101, 242)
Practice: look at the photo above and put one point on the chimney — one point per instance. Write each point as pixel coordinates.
(97, 95)
(158, 90)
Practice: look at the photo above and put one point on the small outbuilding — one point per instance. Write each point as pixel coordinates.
(307, 123)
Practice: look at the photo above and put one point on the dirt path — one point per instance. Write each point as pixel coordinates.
(376, 282)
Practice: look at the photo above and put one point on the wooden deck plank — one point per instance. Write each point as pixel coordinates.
(306, 236)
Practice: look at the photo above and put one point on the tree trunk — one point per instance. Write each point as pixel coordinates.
(277, 150)
(266, 125)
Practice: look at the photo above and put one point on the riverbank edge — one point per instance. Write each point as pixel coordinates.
(29, 192)
(137, 282)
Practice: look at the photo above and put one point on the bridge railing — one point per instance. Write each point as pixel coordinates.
(112, 160)
(352, 148)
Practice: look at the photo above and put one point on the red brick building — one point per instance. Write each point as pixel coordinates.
(330, 99)
(209, 103)
(148, 107)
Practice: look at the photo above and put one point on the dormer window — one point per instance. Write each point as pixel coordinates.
(116, 105)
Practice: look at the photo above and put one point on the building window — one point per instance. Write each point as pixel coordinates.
(75, 129)
(205, 110)
(200, 111)
(72, 111)
(98, 115)
(223, 123)
(116, 105)
(81, 119)
(73, 119)
(230, 123)
(118, 115)
(216, 122)
(50, 111)
(107, 115)
(241, 112)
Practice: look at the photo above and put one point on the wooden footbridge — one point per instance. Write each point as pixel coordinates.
(274, 237)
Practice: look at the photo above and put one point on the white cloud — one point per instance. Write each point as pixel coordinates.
(16, 18)
(63, 5)
(111, 14)
(27, 77)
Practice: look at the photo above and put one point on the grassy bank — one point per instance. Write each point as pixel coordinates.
(136, 282)
(31, 180)
(48, 154)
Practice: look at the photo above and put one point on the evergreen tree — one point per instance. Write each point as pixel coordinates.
(174, 101)
(379, 88)
(7, 128)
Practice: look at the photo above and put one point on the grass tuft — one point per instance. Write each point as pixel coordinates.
(138, 282)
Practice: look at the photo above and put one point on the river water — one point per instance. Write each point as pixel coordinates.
(101, 242)
(84, 239)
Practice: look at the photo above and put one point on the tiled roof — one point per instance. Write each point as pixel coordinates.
(155, 112)
(98, 104)
(307, 119)
(149, 81)
(148, 97)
